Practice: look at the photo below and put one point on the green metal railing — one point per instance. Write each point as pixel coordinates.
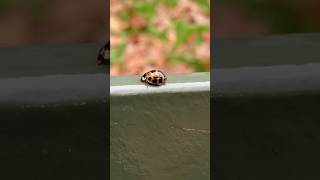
(53, 113)
(266, 107)
(160, 132)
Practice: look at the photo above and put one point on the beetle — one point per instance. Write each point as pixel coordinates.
(103, 54)
(154, 77)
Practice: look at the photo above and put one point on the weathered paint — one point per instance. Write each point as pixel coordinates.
(266, 108)
(157, 136)
(53, 113)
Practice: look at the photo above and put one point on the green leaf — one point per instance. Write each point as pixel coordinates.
(116, 53)
(185, 30)
(146, 9)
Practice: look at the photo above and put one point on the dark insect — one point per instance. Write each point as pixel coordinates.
(104, 55)
(154, 77)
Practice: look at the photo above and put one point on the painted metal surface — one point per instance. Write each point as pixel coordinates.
(162, 134)
(174, 78)
(49, 60)
(167, 88)
(266, 108)
(53, 113)
(271, 50)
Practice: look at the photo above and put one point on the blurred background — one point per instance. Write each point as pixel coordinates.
(38, 22)
(172, 35)
(233, 18)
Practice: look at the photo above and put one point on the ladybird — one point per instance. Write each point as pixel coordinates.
(103, 54)
(154, 77)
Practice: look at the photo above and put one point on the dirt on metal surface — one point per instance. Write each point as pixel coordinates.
(160, 136)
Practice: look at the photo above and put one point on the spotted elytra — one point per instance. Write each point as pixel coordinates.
(154, 77)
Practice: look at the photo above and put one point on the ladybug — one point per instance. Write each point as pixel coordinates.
(154, 77)
(103, 54)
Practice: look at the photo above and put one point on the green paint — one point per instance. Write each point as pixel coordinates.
(160, 136)
(49, 60)
(53, 113)
(172, 78)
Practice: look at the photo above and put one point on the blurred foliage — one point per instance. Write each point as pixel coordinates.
(6, 4)
(281, 16)
(33, 6)
(172, 35)
(52, 22)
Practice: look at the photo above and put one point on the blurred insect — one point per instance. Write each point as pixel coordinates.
(104, 54)
(154, 77)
